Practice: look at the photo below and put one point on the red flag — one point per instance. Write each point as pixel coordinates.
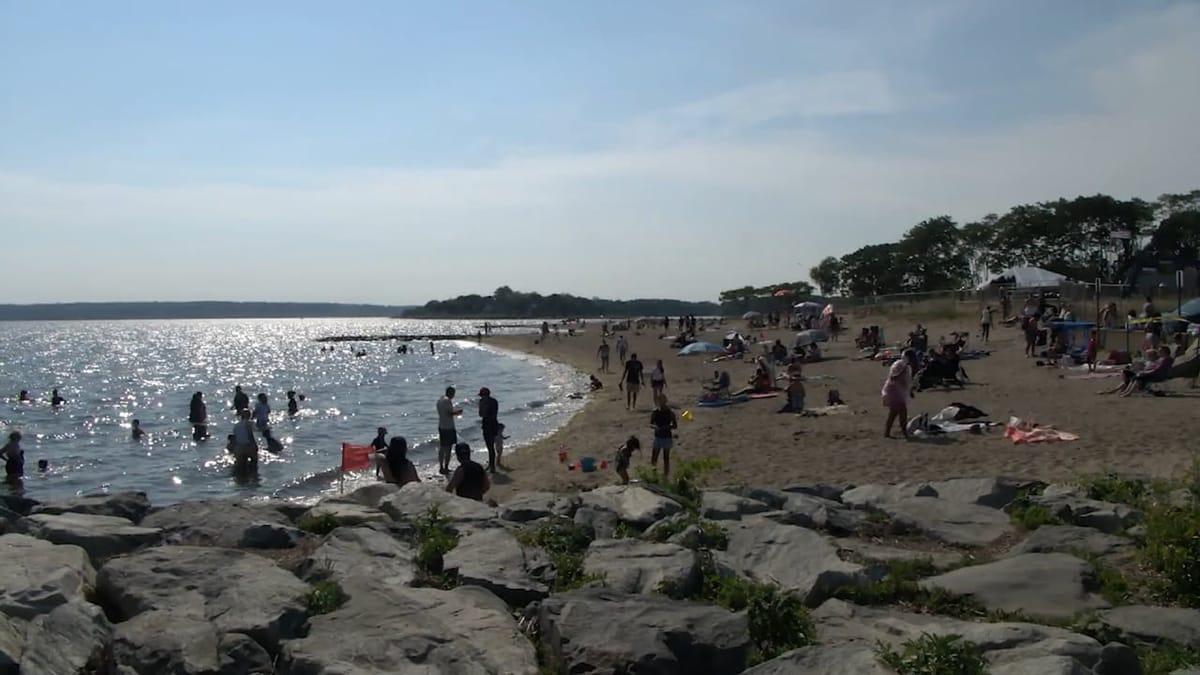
(356, 457)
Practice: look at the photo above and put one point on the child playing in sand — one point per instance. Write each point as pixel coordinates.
(624, 455)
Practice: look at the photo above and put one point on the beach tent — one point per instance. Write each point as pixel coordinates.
(701, 348)
(807, 308)
(808, 337)
(1025, 277)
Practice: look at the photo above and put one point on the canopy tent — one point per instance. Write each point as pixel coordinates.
(701, 348)
(809, 337)
(808, 308)
(1024, 277)
(750, 316)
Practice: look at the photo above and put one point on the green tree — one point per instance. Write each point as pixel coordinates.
(979, 244)
(934, 258)
(827, 275)
(872, 270)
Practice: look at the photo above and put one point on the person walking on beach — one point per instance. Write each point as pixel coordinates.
(985, 323)
(658, 379)
(633, 380)
(447, 434)
(603, 353)
(625, 455)
(198, 416)
(469, 479)
(14, 458)
(897, 390)
(489, 411)
(622, 348)
(240, 400)
(663, 421)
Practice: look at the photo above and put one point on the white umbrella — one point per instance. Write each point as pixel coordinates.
(807, 308)
(808, 337)
(752, 315)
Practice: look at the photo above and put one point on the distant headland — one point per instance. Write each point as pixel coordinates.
(506, 303)
(81, 311)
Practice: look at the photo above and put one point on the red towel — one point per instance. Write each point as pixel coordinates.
(356, 457)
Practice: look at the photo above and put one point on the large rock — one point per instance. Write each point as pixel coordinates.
(1043, 665)
(1050, 585)
(821, 490)
(602, 631)
(493, 559)
(346, 513)
(601, 522)
(868, 550)
(633, 566)
(235, 591)
(132, 506)
(421, 631)
(12, 643)
(1072, 507)
(795, 558)
(719, 505)
(71, 640)
(101, 536)
(37, 576)
(12, 522)
(17, 503)
(1076, 540)
(991, 492)
(822, 660)
(632, 503)
(369, 496)
(361, 554)
(946, 521)
(212, 523)
(415, 500)
(1155, 624)
(865, 496)
(268, 535)
(528, 506)
(169, 642)
(841, 623)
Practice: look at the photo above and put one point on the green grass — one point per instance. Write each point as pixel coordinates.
(565, 543)
(434, 539)
(1029, 516)
(324, 597)
(1114, 488)
(934, 655)
(899, 587)
(712, 537)
(1171, 547)
(686, 483)
(319, 525)
(1166, 657)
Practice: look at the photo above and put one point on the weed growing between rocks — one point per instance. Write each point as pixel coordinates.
(435, 538)
(1166, 658)
(319, 525)
(686, 483)
(934, 655)
(899, 587)
(1114, 488)
(565, 543)
(325, 597)
(1172, 548)
(1029, 516)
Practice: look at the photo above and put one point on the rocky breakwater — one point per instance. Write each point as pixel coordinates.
(957, 577)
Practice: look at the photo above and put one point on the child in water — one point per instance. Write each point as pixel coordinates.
(138, 432)
(624, 455)
(293, 406)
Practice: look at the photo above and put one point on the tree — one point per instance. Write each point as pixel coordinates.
(933, 256)
(827, 275)
(979, 246)
(872, 270)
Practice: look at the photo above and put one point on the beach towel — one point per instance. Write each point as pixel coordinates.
(827, 410)
(1021, 431)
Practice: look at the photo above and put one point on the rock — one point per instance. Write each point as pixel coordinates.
(101, 536)
(602, 523)
(369, 496)
(236, 591)
(345, 513)
(132, 506)
(1104, 516)
(363, 554)
(690, 537)
(878, 552)
(171, 642)
(1042, 665)
(11, 521)
(72, 639)
(632, 503)
(413, 630)
(1050, 585)
(795, 558)
(416, 499)
(718, 505)
(19, 505)
(772, 498)
(809, 511)
(212, 523)
(600, 630)
(238, 653)
(1117, 659)
(1155, 624)
(833, 494)
(633, 566)
(37, 576)
(271, 536)
(948, 522)
(664, 527)
(1072, 539)
(865, 496)
(822, 660)
(841, 622)
(492, 559)
(528, 506)
(12, 642)
(995, 493)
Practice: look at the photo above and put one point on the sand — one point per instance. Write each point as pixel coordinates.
(1141, 435)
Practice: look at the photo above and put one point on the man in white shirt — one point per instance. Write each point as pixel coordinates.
(985, 323)
(447, 434)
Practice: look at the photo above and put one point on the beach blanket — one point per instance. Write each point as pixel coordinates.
(827, 410)
(972, 354)
(718, 403)
(1092, 376)
(1021, 431)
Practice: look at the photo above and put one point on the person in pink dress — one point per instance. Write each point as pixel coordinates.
(897, 390)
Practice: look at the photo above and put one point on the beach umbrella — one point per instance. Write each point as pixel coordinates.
(807, 308)
(734, 335)
(827, 311)
(701, 348)
(808, 337)
(752, 315)
(783, 292)
(1190, 310)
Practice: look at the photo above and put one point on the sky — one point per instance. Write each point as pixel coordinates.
(397, 152)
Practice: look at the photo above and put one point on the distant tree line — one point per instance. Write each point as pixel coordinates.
(1071, 237)
(504, 302)
(772, 298)
(71, 311)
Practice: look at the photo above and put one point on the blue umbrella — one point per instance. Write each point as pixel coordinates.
(701, 348)
(1190, 310)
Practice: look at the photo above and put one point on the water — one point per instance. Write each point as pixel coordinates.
(112, 372)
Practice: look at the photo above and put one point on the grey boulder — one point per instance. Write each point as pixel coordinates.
(601, 522)
(220, 523)
(956, 523)
(1073, 539)
(415, 500)
(871, 551)
(602, 631)
(1073, 508)
(1155, 624)
(494, 560)
(719, 505)
(101, 536)
(823, 660)
(37, 576)
(346, 513)
(369, 496)
(71, 640)
(631, 503)
(12, 643)
(1049, 585)
(132, 506)
(361, 554)
(795, 558)
(528, 506)
(634, 566)
(268, 535)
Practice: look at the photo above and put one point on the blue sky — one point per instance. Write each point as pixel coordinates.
(396, 152)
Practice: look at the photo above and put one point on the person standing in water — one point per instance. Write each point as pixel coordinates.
(14, 458)
(198, 416)
(632, 381)
(262, 422)
(243, 444)
(447, 434)
(240, 400)
(293, 405)
(431, 348)
(137, 432)
(489, 411)
(380, 445)
(56, 400)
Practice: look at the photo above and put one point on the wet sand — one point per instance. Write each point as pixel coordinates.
(1145, 435)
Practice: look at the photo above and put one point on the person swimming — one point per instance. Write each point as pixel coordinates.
(137, 431)
(293, 405)
(23, 397)
(56, 400)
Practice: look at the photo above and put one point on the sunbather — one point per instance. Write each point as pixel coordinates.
(1159, 372)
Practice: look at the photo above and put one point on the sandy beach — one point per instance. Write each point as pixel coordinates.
(1142, 435)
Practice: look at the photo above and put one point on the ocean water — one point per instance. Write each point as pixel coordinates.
(112, 372)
